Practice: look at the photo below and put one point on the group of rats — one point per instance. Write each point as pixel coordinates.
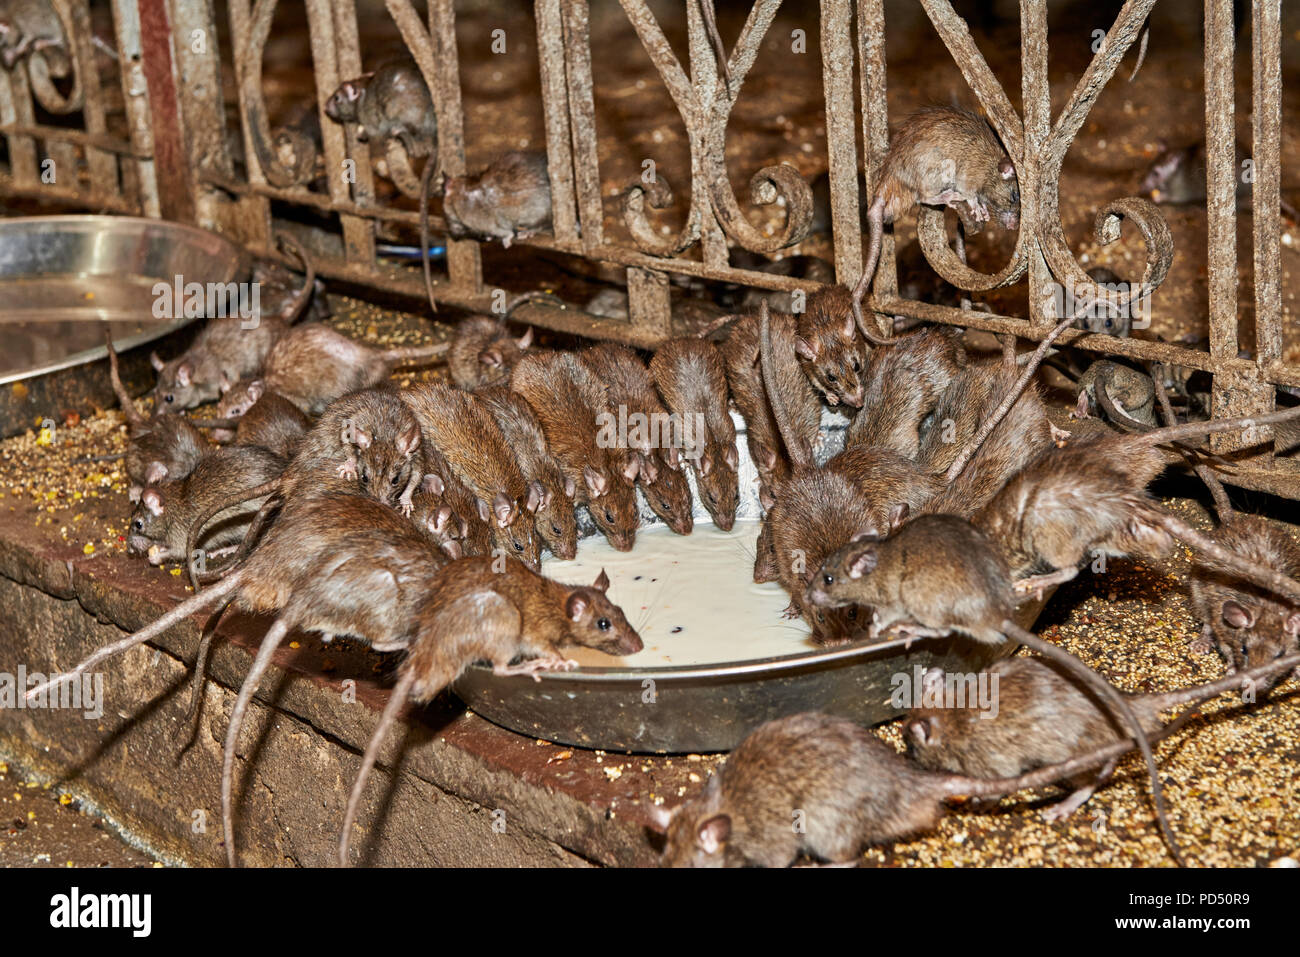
(413, 520)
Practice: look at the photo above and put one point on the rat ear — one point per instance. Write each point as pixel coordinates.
(922, 730)
(526, 339)
(705, 463)
(154, 473)
(361, 438)
(224, 385)
(504, 509)
(409, 441)
(1292, 625)
(806, 349)
(433, 484)
(439, 519)
(868, 534)
(255, 390)
(714, 832)
(602, 582)
(597, 484)
(1005, 169)
(730, 456)
(673, 458)
(898, 515)
(491, 356)
(1237, 615)
(575, 605)
(661, 817)
(570, 489)
(453, 549)
(863, 563)
(184, 371)
(766, 498)
(536, 496)
(649, 469)
(632, 468)
(152, 501)
(157, 363)
(850, 327)
(764, 457)
(484, 513)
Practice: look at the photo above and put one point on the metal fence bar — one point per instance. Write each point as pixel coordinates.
(841, 138)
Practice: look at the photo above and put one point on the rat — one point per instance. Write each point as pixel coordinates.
(228, 348)
(390, 102)
(161, 447)
(553, 518)
(1089, 497)
(1177, 177)
(368, 441)
(692, 379)
(1107, 386)
(259, 416)
(902, 385)
(848, 788)
(940, 574)
(1044, 718)
(941, 156)
(33, 26)
(468, 437)
(161, 522)
(569, 401)
(312, 365)
(1100, 317)
(740, 355)
(509, 200)
(483, 352)
(472, 611)
(631, 398)
(1024, 434)
(830, 351)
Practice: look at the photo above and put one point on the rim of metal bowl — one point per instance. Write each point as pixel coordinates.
(238, 258)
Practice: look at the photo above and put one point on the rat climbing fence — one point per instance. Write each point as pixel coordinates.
(171, 157)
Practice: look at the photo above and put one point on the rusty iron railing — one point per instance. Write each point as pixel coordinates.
(176, 162)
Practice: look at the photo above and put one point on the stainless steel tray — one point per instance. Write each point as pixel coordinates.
(62, 277)
(699, 708)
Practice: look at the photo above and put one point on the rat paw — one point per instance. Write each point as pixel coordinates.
(1059, 435)
(348, 470)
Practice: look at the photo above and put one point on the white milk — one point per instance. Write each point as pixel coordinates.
(692, 598)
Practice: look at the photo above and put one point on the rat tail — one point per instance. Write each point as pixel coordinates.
(1119, 706)
(400, 694)
(793, 447)
(1261, 575)
(1008, 400)
(1206, 474)
(876, 222)
(196, 529)
(416, 355)
(1163, 701)
(430, 166)
(215, 423)
(201, 671)
(296, 306)
(533, 296)
(134, 420)
(1188, 429)
(148, 633)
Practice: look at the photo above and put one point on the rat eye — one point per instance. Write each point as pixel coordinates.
(365, 474)
(712, 497)
(609, 516)
(519, 546)
(828, 579)
(831, 377)
(397, 479)
(556, 529)
(603, 624)
(857, 364)
(853, 614)
(138, 525)
(169, 398)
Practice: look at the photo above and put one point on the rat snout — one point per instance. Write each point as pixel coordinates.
(854, 398)
(629, 644)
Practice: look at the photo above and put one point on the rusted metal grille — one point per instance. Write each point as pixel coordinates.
(176, 163)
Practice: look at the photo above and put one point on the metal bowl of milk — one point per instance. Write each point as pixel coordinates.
(719, 657)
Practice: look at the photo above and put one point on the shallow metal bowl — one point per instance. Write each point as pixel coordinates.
(62, 277)
(712, 707)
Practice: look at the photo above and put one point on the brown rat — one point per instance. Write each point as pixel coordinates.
(509, 200)
(692, 379)
(1103, 318)
(474, 611)
(1043, 717)
(634, 407)
(846, 787)
(740, 354)
(312, 365)
(468, 437)
(569, 402)
(161, 447)
(553, 519)
(390, 102)
(260, 417)
(483, 352)
(160, 524)
(939, 574)
(940, 156)
(830, 351)
(33, 26)
(227, 349)
(902, 385)
(1125, 388)
(1177, 177)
